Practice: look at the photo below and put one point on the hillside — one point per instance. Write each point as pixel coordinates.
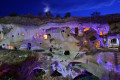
(43, 20)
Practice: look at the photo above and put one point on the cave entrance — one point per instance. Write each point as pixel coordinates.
(67, 52)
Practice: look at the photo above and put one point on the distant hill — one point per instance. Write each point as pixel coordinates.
(110, 18)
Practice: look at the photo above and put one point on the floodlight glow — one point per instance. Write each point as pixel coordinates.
(45, 36)
(86, 29)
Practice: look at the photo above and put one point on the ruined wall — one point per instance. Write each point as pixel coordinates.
(114, 27)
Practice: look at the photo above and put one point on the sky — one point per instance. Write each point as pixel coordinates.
(77, 8)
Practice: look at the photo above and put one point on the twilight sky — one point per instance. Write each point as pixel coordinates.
(76, 7)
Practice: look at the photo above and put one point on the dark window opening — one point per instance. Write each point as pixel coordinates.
(62, 30)
(92, 38)
(15, 48)
(67, 53)
(29, 46)
(114, 41)
(56, 73)
(76, 30)
(12, 35)
(3, 44)
(49, 36)
(50, 49)
(38, 72)
(68, 35)
(0, 47)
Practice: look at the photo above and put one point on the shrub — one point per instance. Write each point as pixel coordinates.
(58, 16)
(13, 14)
(68, 14)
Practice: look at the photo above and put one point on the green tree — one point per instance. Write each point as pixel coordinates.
(48, 14)
(95, 14)
(58, 16)
(68, 14)
(13, 14)
(40, 14)
(30, 15)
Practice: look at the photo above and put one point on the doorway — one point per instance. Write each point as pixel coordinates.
(29, 46)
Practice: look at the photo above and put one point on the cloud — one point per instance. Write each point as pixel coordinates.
(60, 6)
(46, 7)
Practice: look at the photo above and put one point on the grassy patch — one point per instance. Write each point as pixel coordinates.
(6, 78)
(12, 56)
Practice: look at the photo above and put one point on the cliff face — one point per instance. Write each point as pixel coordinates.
(16, 32)
(16, 35)
(115, 27)
(9, 29)
(71, 24)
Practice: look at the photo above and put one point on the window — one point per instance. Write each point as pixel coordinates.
(48, 35)
(101, 33)
(85, 42)
(37, 35)
(92, 38)
(3, 44)
(11, 47)
(114, 41)
(86, 29)
(45, 36)
(12, 35)
(23, 34)
(98, 44)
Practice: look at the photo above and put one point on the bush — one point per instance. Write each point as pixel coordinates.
(13, 14)
(58, 16)
(48, 14)
(95, 14)
(40, 14)
(68, 14)
(39, 78)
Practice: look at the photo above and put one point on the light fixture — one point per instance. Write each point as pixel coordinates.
(85, 42)
(86, 29)
(11, 47)
(23, 34)
(8, 46)
(45, 36)
(101, 33)
(37, 35)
